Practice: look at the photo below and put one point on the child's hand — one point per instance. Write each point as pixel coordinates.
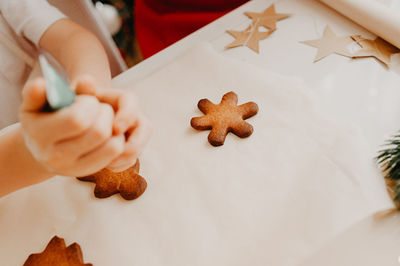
(74, 141)
(128, 121)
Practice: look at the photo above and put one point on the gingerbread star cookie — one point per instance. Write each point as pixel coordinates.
(56, 253)
(128, 183)
(224, 117)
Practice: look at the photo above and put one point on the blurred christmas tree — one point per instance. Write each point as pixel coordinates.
(125, 38)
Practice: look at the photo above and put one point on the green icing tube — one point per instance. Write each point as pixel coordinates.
(58, 93)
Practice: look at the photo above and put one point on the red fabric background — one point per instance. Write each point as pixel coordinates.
(160, 23)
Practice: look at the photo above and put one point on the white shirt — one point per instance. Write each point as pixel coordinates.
(23, 22)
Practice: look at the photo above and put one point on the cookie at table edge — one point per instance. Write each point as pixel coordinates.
(57, 253)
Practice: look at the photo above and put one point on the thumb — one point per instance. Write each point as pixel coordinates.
(34, 95)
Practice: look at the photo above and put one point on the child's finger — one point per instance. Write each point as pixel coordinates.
(84, 85)
(34, 95)
(65, 123)
(102, 156)
(125, 106)
(127, 115)
(133, 147)
(92, 138)
(110, 96)
(125, 120)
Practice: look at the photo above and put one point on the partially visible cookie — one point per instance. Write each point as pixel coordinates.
(224, 117)
(56, 253)
(128, 183)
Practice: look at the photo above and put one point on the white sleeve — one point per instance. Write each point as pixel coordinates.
(30, 18)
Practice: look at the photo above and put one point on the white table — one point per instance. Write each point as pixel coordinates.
(360, 92)
(182, 219)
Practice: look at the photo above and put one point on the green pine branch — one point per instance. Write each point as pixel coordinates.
(389, 160)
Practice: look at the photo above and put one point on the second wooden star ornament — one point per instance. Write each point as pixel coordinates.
(268, 17)
(251, 36)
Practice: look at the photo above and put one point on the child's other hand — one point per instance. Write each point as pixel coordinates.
(75, 141)
(128, 121)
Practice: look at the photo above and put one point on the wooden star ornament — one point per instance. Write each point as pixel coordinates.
(268, 17)
(330, 43)
(128, 183)
(250, 37)
(224, 117)
(378, 48)
(56, 253)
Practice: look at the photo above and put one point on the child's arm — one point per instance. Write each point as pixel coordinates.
(77, 50)
(18, 167)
